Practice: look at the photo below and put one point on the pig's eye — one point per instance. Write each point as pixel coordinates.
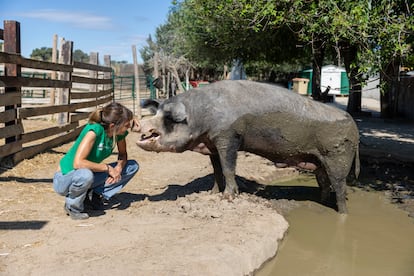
(168, 116)
(170, 122)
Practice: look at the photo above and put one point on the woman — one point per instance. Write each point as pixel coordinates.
(82, 177)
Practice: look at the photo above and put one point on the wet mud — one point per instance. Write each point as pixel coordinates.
(375, 238)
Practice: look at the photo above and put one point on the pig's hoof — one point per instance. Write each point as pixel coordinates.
(229, 197)
(214, 190)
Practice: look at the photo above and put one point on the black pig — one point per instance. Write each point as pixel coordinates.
(282, 126)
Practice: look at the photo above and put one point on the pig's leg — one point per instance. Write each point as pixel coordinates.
(324, 184)
(340, 190)
(227, 147)
(218, 174)
(337, 176)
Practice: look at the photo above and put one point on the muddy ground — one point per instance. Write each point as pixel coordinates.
(165, 222)
(387, 159)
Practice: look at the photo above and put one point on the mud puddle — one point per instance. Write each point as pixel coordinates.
(375, 238)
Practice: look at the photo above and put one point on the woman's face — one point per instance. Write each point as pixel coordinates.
(124, 127)
(121, 130)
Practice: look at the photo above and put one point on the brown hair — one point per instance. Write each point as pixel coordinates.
(113, 113)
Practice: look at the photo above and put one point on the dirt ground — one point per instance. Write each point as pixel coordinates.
(165, 222)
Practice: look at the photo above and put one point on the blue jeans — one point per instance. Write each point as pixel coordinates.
(75, 184)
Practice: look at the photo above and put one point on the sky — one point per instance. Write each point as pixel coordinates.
(107, 27)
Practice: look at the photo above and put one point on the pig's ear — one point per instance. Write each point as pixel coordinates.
(152, 105)
(176, 111)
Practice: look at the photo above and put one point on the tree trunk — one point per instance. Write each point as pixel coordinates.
(349, 52)
(177, 79)
(156, 70)
(318, 55)
(389, 90)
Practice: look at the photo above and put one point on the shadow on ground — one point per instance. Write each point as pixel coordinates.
(22, 225)
(270, 192)
(25, 180)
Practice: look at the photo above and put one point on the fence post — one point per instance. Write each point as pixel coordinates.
(136, 74)
(65, 57)
(53, 75)
(11, 37)
(93, 59)
(108, 75)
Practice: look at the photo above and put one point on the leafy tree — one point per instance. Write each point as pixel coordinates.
(366, 36)
(119, 62)
(43, 54)
(229, 30)
(331, 26)
(80, 56)
(212, 35)
(147, 53)
(165, 52)
(393, 28)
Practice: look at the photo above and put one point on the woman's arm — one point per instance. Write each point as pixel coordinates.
(122, 155)
(115, 173)
(82, 153)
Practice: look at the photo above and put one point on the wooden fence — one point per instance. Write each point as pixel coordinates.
(76, 95)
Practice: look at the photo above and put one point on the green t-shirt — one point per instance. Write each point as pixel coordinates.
(101, 149)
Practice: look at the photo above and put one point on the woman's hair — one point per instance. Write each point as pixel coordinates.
(113, 113)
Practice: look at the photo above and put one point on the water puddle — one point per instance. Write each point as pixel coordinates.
(375, 238)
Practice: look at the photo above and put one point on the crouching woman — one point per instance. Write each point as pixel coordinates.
(83, 178)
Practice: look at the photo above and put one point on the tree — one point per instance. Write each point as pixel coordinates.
(340, 26)
(147, 52)
(367, 37)
(393, 27)
(43, 54)
(223, 31)
(80, 56)
(119, 62)
(213, 34)
(164, 53)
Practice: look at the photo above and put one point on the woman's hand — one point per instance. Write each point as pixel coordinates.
(114, 175)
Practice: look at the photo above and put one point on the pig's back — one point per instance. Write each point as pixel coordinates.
(248, 97)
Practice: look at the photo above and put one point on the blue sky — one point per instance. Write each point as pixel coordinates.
(107, 27)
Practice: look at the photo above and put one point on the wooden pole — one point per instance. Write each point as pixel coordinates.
(136, 73)
(65, 57)
(53, 74)
(108, 75)
(93, 59)
(11, 37)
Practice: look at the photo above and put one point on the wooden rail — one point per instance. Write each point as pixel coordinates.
(17, 144)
